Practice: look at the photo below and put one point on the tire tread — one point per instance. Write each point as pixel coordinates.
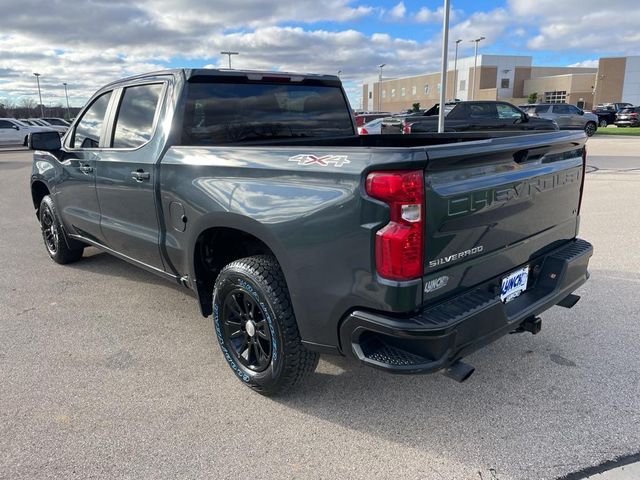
(298, 361)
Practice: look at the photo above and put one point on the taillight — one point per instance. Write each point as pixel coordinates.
(584, 174)
(363, 131)
(406, 128)
(399, 244)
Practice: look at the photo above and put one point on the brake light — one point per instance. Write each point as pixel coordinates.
(399, 244)
(584, 174)
(363, 131)
(406, 127)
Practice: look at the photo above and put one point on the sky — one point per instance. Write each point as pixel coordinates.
(88, 43)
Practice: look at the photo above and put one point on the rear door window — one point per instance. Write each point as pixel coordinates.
(482, 111)
(135, 118)
(562, 109)
(222, 113)
(89, 128)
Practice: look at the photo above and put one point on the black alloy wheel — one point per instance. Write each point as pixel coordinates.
(256, 327)
(590, 129)
(60, 248)
(50, 233)
(246, 330)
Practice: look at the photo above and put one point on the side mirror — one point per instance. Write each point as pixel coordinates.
(48, 141)
(581, 112)
(524, 118)
(16, 127)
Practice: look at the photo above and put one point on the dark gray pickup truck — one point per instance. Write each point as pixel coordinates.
(299, 237)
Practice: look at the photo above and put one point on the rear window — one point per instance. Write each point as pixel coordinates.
(630, 110)
(222, 113)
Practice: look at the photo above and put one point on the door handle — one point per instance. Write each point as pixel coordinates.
(86, 169)
(140, 175)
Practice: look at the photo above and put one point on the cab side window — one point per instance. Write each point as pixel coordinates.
(89, 128)
(482, 111)
(6, 124)
(134, 123)
(508, 112)
(562, 109)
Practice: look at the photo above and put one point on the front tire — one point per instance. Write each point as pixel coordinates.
(61, 249)
(590, 129)
(256, 327)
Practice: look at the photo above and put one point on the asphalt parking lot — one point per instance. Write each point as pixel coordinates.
(109, 372)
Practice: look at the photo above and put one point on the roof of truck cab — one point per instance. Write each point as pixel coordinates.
(225, 72)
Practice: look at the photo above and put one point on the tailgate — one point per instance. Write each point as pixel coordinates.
(496, 204)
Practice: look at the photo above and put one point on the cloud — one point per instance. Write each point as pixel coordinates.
(88, 43)
(270, 48)
(581, 25)
(593, 63)
(425, 15)
(398, 12)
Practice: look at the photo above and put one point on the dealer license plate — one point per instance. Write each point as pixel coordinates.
(514, 284)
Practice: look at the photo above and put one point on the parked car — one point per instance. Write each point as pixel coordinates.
(58, 122)
(15, 132)
(607, 112)
(485, 116)
(367, 117)
(299, 236)
(628, 117)
(568, 117)
(42, 122)
(374, 127)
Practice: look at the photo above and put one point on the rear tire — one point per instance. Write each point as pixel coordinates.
(256, 327)
(590, 129)
(603, 123)
(61, 249)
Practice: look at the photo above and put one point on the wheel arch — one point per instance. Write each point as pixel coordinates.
(39, 190)
(218, 244)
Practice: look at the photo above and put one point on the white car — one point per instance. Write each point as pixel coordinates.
(374, 127)
(57, 122)
(45, 123)
(15, 132)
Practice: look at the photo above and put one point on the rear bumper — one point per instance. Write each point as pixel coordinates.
(627, 123)
(442, 334)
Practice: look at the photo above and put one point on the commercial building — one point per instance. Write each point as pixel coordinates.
(618, 80)
(511, 78)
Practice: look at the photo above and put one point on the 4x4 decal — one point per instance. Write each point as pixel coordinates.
(323, 161)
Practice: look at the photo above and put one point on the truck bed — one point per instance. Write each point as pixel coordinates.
(305, 198)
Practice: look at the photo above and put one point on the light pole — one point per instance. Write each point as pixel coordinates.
(39, 95)
(380, 87)
(455, 71)
(475, 65)
(229, 53)
(443, 66)
(67, 97)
